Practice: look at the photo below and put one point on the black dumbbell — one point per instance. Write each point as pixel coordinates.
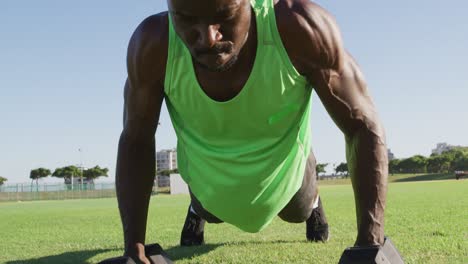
(385, 254)
(154, 253)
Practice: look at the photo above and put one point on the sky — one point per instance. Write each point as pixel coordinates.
(62, 70)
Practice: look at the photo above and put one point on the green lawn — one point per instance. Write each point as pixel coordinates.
(428, 221)
(399, 178)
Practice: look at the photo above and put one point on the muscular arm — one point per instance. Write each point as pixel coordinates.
(143, 95)
(344, 95)
(314, 45)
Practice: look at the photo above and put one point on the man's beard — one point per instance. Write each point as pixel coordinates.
(220, 68)
(222, 47)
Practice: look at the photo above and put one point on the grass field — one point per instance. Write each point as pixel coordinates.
(398, 178)
(428, 221)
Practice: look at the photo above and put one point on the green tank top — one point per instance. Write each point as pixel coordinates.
(245, 158)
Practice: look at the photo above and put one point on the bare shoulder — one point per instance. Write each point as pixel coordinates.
(146, 66)
(310, 35)
(147, 51)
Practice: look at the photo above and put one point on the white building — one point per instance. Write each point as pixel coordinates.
(441, 147)
(77, 180)
(178, 185)
(166, 159)
(391, 156)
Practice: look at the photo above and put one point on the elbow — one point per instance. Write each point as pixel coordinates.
(132, 136)
(366, 150)
(367, 128)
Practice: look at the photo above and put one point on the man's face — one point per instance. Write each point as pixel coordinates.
(214, 31)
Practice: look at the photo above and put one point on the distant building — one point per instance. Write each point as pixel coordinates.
(390, 154)
(162, 181)
(166, 159)
(178, 185)
(441, 147)
(77, 180)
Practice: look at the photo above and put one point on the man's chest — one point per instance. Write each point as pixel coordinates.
(221, 88)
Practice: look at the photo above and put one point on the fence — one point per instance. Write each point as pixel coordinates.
(31, 192)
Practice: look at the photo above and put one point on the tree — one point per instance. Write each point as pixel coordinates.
(95, 172)
(394, 166)
(438, 164)
(38, 173)
(67, 173)
(447, 161)
(415, 164)
(461, 163)
(2, 180)
(320, 168)
(342, 168)
(458, 158)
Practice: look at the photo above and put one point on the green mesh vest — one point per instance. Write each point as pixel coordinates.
(245, 158)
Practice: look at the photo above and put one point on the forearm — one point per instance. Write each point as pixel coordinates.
(366, 152)
(134, 183)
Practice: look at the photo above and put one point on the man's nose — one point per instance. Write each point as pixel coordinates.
(209, 35)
